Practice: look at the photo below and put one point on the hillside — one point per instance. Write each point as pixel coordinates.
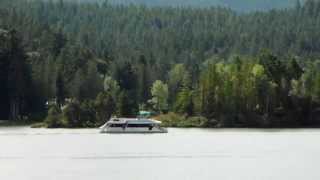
(212, 67)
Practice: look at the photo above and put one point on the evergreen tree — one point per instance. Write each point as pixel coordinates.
(18, 76)
(126, 106)
(105, 106)
(128, 101)
(60, 91)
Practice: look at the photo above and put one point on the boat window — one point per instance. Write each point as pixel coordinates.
(116, 125)
(140, 125)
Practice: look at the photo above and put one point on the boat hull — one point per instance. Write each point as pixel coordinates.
(132, 125)
(133, 130)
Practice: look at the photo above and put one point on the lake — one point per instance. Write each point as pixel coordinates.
(186, 154)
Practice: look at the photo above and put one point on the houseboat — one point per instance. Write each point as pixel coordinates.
(132, 125)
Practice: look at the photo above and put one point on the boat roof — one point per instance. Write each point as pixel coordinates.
(133, 121)
(144, 113)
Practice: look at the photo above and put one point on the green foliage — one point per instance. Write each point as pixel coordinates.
(54, 118)
(126, 105)
(160, 94)
(111, 86)
(293, 69)
(87, 82)
(103, 54)
(273, 66)
(72, 114)
(39, 125)
(76, 114)
(60, 91)
(88, 114)
(227, 90)
(105, 106)
(127, 101)
(175, 120)
(180, 85)
(184, 102)
(309, 84)
(15, 78)
(239, 5)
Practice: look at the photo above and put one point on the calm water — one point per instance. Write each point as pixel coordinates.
(195, 154)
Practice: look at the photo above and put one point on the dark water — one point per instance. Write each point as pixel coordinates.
(233, 154)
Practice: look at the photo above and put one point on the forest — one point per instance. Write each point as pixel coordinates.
(77, 64)
(237, 5)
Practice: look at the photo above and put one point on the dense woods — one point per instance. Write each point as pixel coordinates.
(210, 67)
(238, 5)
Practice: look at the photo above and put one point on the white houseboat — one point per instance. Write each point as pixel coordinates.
(132, 125)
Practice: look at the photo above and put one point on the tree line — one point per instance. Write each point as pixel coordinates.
(239, 5)
(98, 60)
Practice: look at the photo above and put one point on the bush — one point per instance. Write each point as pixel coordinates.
(71, 114)
(76, 115)
(196, 121)
(54, 118)
(176, 120)
(87, 114)
(171, 119)
(39, 125)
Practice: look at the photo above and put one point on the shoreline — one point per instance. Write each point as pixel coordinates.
(8, 123)
(37, 125)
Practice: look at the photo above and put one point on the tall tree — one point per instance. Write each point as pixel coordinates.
(60, 91)
(128, 98)
(18, 76)
(105, 106)
(160, 96)
(4, 70)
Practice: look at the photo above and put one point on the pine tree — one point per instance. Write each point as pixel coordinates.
(60, 91)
